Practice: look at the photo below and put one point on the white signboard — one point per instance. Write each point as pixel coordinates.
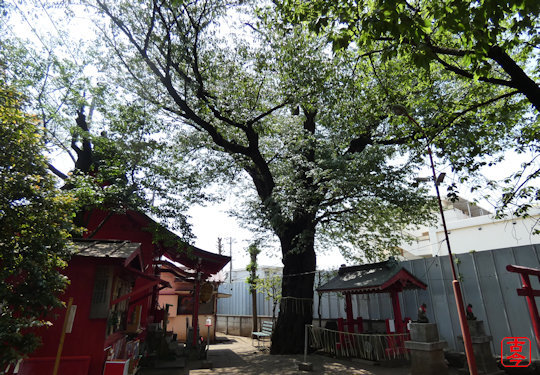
(391, 325)
(71, 318)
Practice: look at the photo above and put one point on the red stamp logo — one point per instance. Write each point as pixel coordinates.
(515, 352)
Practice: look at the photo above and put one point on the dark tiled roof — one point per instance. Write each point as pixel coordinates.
(372, 278)
(173, 247)
(104, 248)
(197, 259)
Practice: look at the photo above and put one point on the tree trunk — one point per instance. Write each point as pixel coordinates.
(85, 155)
(296, 307)
(254, 315)
(252, 268)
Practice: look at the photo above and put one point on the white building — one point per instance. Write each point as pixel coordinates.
(471, 228)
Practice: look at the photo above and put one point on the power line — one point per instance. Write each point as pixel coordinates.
(38, 36)
(59, 33)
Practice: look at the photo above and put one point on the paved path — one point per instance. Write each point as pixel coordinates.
(238, 356)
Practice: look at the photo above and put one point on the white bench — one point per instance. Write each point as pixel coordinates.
(266, 331)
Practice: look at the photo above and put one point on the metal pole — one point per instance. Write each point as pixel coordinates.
(208, 340)
(471, 360)
(230, 262)
(305, 342)
(195, 322)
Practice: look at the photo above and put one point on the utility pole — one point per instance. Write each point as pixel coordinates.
(220, 245)
(471, 360)
(230, 263)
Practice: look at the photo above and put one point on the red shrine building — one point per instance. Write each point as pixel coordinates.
(112, 297)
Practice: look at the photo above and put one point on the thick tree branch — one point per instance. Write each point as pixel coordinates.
(520, 79)
(434, 48)
(58, 173)
(263, 181)
(327, 215)
(188, 113)
(449, 51)
(201, 92)
(75, 147)
(464, 73)
(151, 26)
(357, 145)
(333, 201)
(266, 113)
(259, 170)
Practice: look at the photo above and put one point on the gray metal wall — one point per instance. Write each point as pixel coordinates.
(240, 302)
(485, 283)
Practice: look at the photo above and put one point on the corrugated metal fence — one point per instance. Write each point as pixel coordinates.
(240, 302)
(485, 282)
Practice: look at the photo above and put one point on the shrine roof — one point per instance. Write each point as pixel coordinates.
(104, 248)
(170, 245)
(197, 259)
(372, 278)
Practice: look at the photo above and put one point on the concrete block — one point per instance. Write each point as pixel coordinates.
(426, 350)
(426, 346)
(428, 363)
(481, 339)
(424, 332)
(476, 327)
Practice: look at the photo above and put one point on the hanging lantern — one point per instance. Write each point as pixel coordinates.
(206, 291)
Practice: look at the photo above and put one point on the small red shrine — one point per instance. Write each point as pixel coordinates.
(180, 299)
(203, 265)
(383, 277)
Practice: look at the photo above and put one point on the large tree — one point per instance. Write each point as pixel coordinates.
(491, 42)
(107, 151)
(309, 130)
(35, 225)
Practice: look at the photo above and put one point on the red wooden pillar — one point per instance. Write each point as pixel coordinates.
(397, 311)
(529, 293)
(349, 311)
(533, 309)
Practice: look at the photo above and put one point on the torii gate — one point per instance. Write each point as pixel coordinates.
(528, 292)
